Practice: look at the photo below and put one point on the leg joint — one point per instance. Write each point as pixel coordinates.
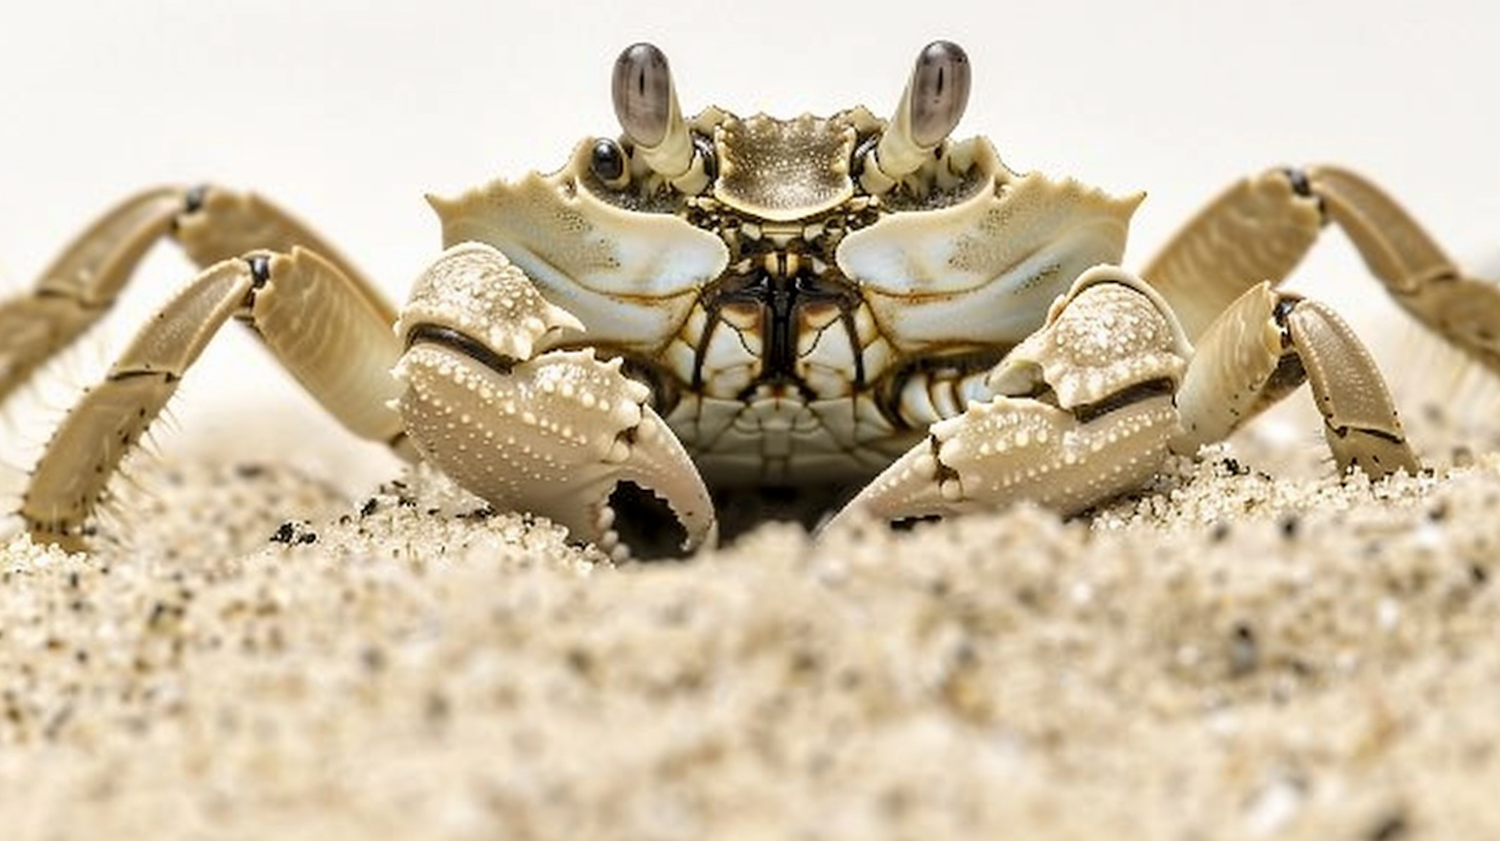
(193, 201)
(1302, 186)
(260, 268)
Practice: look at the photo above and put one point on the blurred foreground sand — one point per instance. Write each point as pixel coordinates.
(1226, 656)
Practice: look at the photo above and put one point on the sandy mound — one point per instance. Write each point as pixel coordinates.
(1227, 656)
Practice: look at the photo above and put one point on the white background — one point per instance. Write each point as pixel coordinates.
(348, 112)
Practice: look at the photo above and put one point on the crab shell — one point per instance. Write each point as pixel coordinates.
(965, 262)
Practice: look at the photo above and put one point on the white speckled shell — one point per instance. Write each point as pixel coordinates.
(984, 270)
(625, 275)
(784, 169)
(1111, 331)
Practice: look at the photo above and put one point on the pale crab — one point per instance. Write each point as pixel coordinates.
(863, 310)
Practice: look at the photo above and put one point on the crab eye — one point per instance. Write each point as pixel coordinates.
(646, 105)
(642, 91)
(939, 92)
(930, 108)
(607, 161)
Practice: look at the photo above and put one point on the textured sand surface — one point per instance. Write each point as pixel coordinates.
(251, 654)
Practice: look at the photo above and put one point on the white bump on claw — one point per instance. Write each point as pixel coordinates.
(926, 466)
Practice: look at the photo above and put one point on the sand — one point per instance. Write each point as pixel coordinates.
(250, 652)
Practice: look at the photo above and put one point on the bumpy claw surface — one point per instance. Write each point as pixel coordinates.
(1110, 333)
(1085, 413)
(1016, 448)
(474, 291)
(525, 426)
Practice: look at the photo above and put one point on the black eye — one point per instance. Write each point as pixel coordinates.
(607, 161)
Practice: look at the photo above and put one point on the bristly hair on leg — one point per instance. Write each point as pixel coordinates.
(131, 486)
(1447, 398)
(30, 414)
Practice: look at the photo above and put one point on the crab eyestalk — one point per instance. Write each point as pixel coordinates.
(930, 108)
(646, 105)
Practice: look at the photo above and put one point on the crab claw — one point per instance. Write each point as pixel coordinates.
(526, 426)
(1084, 411)
(1010, 449)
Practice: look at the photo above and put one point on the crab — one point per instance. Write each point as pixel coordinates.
(841, 313)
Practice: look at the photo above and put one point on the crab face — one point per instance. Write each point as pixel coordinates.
(783, 285)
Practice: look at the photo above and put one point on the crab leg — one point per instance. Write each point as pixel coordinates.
(1266, 344)
(1462, 309)
(318, 323)
(81, 284)
(1260, 228)
(494, 401)
(210, 224)
(221, 224)
(1082, 410)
